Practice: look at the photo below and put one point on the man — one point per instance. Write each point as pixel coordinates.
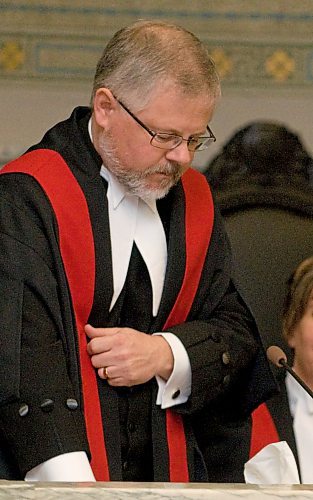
(108, 236)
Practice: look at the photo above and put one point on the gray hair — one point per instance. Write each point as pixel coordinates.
(147, 53)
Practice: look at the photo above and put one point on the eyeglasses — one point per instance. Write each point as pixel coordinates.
(162, 140)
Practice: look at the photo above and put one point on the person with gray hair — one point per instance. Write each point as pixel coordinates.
(127, 353)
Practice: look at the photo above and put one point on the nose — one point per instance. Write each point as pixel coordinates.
(181, 154)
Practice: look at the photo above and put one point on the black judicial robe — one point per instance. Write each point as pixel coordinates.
(273, 422)
(41, 407)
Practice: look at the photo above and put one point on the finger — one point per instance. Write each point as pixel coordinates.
(92, 332)
(119, 382)
(107, 373)
(102, 359)
(99, 345)
(113, 381)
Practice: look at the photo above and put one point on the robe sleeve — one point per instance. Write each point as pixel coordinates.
(228, 362)
(40, 405)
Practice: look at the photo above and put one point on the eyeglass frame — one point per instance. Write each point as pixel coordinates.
(154, 134)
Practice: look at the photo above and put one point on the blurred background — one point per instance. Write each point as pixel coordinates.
(49, 48)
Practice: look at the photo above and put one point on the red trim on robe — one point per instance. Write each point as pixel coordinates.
(198, 235)
(77, 235)
(264, 431)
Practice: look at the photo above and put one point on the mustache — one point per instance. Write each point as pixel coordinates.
(172, 169)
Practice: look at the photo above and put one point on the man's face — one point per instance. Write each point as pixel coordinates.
(126, 150)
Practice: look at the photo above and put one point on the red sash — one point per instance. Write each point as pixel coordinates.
(264, 431)
(77, 250)
(198, 227)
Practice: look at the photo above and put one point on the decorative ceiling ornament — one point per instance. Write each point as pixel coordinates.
(224, 64)
(280, 65)
(12, 56)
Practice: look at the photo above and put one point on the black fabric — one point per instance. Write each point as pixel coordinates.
(218, 323)
(279, 409)
(212, 438)
(28, 255)
(268, 225)
(133, 309)
(268, 243)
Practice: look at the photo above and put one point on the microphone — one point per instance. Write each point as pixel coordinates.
(277, 356)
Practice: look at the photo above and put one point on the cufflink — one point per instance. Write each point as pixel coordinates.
(176, 394)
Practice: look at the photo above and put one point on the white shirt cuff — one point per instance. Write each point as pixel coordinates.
(71, 467)
(178, 387)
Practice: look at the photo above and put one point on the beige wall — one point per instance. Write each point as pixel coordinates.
(48, 51)
(28, 111)
(237, 108)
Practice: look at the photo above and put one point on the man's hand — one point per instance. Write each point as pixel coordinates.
(129, 356)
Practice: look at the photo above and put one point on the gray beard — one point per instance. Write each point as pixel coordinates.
(137, 182)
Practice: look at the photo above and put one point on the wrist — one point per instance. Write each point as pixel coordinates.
(165, 358)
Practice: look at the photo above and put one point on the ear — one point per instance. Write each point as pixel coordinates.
(104, 106)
